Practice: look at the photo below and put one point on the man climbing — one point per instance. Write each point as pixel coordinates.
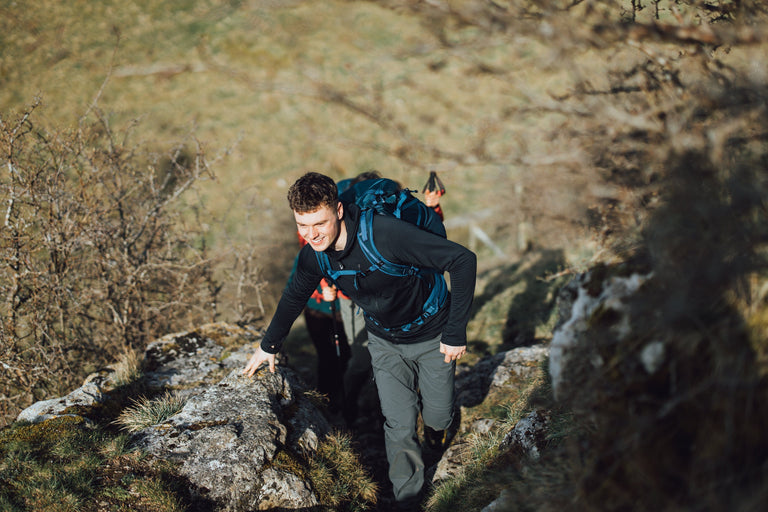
(358, 370)
(414, 348)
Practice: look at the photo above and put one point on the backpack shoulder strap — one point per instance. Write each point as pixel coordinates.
(372, 253)
(439, 288)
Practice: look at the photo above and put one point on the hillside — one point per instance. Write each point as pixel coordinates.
(271, 89)
(255, 93)
(609, 137)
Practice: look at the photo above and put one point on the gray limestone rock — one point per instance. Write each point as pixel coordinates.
(591, 296)
(452, 462)
(185, 362)
(93, 393)
(235, 440)
(494, 373)
(505, 369)
(189, 360)
(528, 435)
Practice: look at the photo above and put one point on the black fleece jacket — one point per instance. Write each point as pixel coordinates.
(392, 301)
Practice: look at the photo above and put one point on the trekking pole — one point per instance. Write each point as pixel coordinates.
(335, 329)
(434, 184)
(342, 368)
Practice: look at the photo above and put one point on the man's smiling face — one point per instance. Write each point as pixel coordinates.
(322, 227)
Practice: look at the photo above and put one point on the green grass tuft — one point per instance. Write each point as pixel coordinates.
(340, 481)
(147, 412)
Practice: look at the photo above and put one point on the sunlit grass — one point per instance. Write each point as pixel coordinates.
(128, 368)
(150, 411)
(484, 463)
(65, 464)
(252, 90)
(338, 478)
(153, 490)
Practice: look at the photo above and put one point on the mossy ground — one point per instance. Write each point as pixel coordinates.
(66, 464)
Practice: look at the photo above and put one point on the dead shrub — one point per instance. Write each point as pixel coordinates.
(97, 258)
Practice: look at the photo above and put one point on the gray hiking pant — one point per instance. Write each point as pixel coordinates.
(410, 378)
(359, 365)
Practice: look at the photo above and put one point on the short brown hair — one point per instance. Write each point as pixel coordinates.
(312, 191)
(365, 176)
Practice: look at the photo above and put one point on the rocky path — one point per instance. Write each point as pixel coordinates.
(368, 436)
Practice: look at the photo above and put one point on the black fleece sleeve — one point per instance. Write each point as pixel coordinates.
(401, 242)
(297, 292)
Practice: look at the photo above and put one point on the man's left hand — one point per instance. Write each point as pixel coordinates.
(452, 353)
(329, 293)
(432, 199)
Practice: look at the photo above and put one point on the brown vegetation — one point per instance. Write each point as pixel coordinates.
(96, 261)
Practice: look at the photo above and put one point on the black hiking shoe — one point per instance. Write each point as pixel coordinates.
(435, 440)
(408, 506)
(439, 440)
(412, 504)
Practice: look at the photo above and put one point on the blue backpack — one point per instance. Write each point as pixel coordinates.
(383, 196)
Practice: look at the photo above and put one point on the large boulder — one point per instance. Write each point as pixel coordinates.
(592, 295)
(496, 374)
(239, 441)
(243, 443)
(189, 361)
(185, 362)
